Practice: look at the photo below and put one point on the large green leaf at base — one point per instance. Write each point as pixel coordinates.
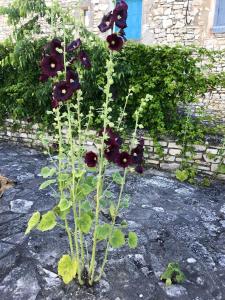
(48, 221)
(132, 240)
(67, 268)
(32, 223)
(117, 239)
(84, 223)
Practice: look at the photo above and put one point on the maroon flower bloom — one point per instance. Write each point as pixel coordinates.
(54, 45)
(137, 154)
(139, 169)
(54, 103)
(63, 91)
(84, 59)
(73, 78)
(74, 45)
(43, 78)
(120, 14)
(113, 138)
(123, 159)
(106, 23)
(141, 142)
(115, 42)
(111, 153)
(50, 65)
(91, 159)
(55, 146)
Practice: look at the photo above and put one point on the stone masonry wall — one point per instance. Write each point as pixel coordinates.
(23, 132)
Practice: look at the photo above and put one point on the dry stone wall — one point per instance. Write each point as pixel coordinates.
(205, 156)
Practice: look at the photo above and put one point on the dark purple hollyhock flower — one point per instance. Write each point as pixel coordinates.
(123, 159)
(106, 23)
(54, 45)
(73, 78)
(115, 42)
(91, 159)
(137, 154)
(139, 169)
(55, 146)
(84, 59)
(74, 45)
(63, 91)
(111, 153)
(43, 78)
(113, 138)
(54, 103)
(141, 142)
(120, 14)
(50, 65)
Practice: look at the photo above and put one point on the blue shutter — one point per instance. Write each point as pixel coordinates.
(219, 19)
(134, 20)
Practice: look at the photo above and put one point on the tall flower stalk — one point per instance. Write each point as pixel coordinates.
(78, 176)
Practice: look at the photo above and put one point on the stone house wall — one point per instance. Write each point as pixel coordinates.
(205, 157)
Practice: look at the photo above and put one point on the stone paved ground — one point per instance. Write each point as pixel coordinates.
(174, 221)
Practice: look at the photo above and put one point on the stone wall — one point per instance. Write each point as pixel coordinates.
(23, 132)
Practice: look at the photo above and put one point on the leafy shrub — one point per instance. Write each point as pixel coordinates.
(172, 75)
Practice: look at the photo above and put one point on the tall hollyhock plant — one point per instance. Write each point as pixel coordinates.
(77, 176)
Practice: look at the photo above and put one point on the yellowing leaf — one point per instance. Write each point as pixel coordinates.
(48, 221)
(32, 223)
(67, 268)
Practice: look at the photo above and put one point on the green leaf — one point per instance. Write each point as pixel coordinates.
(182, 175)
(103, 231)
(64, 204)
(117, 178)
(32, 223)
(132, 240)
(86, 206)
(46, 184)
(48, 221)
(85, 222)
(61, 214)
(108, 194)
(117, 239)
(47, 172)
(67, 268)
(168, 282)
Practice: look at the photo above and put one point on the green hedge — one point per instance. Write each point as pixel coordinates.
(170, 74)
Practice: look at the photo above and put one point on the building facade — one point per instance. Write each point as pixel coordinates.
(200, 22)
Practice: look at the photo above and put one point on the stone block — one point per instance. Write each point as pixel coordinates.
(174, 152)
(174, 145)
(169, 166)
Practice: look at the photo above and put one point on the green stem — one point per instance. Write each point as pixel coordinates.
(59, 181)
(113, 226)
(100, 174)
(74, 188)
